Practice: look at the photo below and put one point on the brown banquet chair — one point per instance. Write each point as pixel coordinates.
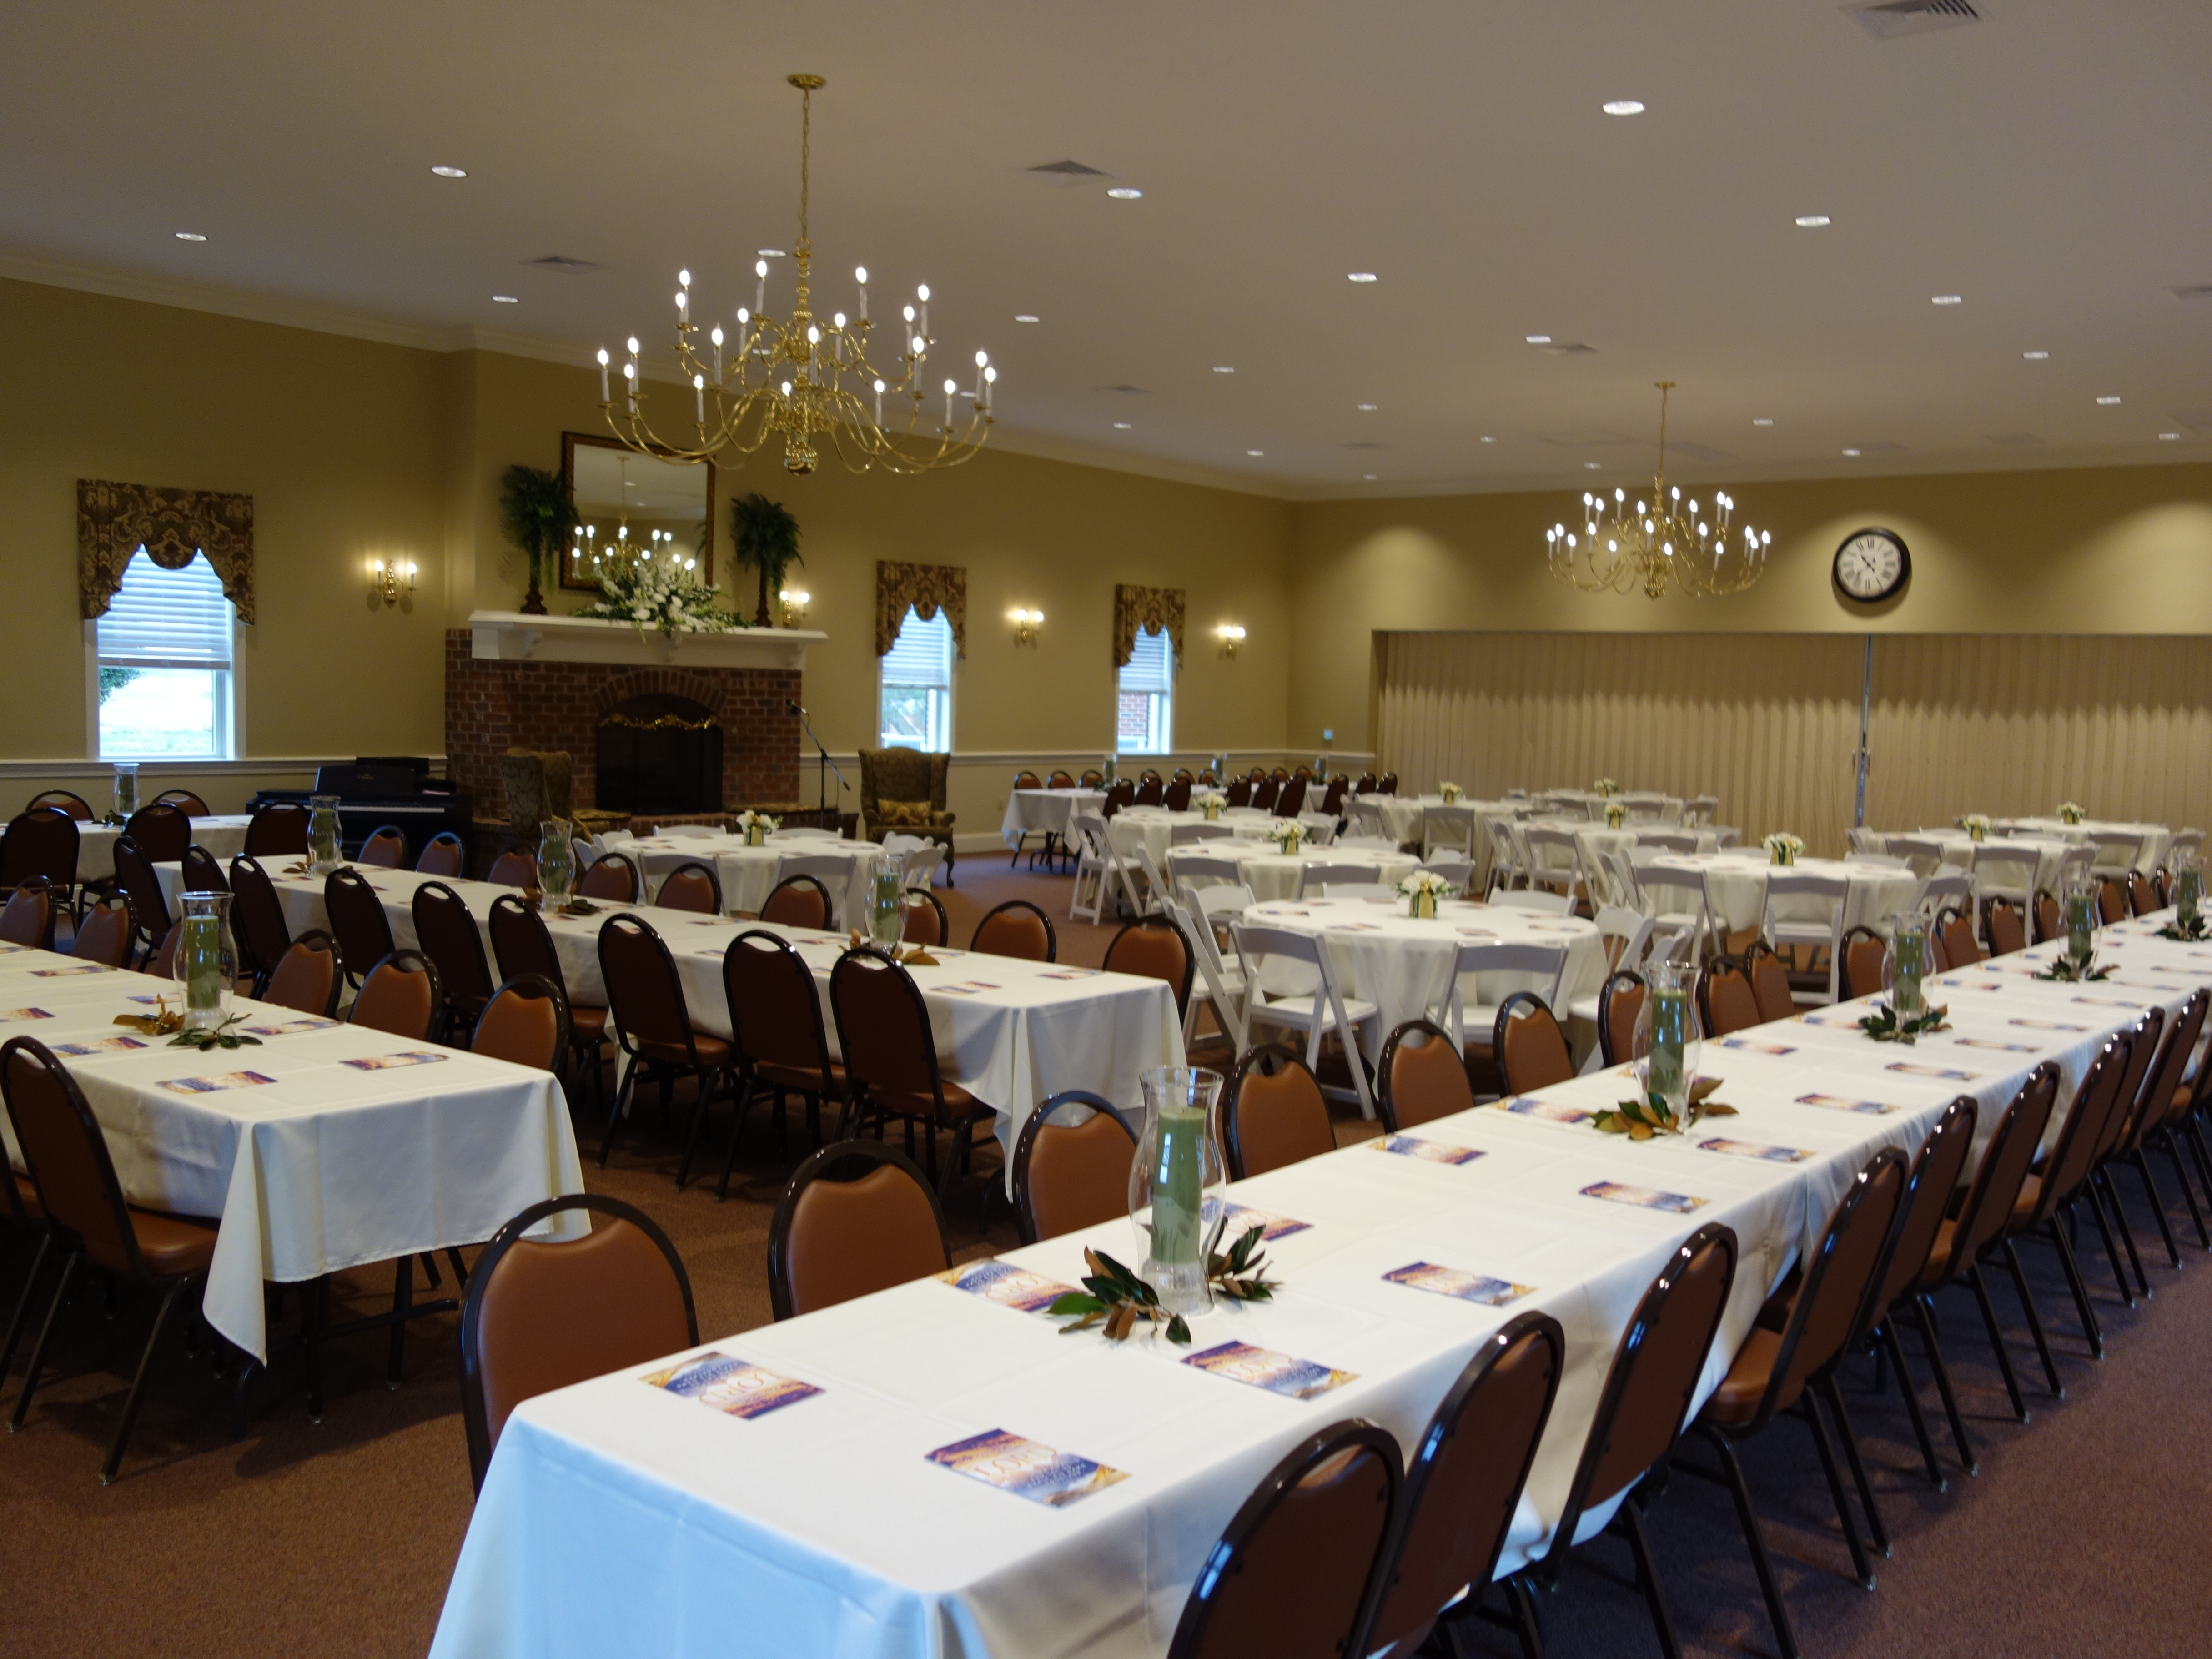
(541, 1315)
(162, 831)
(798, 902)
(277, 830)
(612, 877)
(2006, 924)
(105, 933)
(1072, 1176)
(63, 800)
(42, 843)
(1619, 1004)
(1769, 983)
(524, 1022)
(1153, 947)
(515, 867)
(1016, 928)
(779, 1044)
(890, 1049)
(384, 848)
(651, 1020)
(1422, 1076)
(184, 801)
(1273, 1114)
(202, 872)
(834, 1239)
(27, 917)
(2059, 1182)
(1866, 957)
(926, 922)
(1726, 1002)
(305, 977)
(135, 876)
(1532, 1051)
(447, 933)
(442, 855)
(400, 995)
(691, 886)
(355, 911)
(521, 943)
(257, 917)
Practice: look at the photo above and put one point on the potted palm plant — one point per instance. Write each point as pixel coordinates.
(764, 537)
(537, 512)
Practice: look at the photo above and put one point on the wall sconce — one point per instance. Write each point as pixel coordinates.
(1230, 636)
(1026, 623)
(390, 582)
(794, 601)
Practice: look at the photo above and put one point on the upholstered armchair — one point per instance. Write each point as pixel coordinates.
(903, 793)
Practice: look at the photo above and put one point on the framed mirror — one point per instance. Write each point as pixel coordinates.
(628, 503)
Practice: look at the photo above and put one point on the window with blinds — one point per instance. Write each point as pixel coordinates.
(1143, 711)
(916, 677)
(164, 651)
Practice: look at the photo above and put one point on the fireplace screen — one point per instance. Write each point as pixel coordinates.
(658, 753)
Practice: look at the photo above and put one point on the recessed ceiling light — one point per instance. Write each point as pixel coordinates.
(1850, 452)
(1590, 466)
(2108, 400)
(1023, 317)
(2037, 356)
(451, 172)
(1370, 477)
(1223, 368)
(1125, 193)
(505, 300)
(1623, 106)
(1762, 420)
(1489, 441)
(1367, 409)
(1813, 221)
(2169, 437)
(1538, 339)
(1359, 276)
(1255, 451)
(1121, 426)
(1945, 300)
(771, 253)
(189, 236)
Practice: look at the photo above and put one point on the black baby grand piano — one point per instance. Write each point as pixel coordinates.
(379, 789)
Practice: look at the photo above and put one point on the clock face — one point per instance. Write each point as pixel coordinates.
(1871, 565)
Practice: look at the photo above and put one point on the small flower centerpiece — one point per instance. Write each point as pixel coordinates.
(1606, 787)
(1452, 794)
(1907, 1015)
(2188, 922)
(1976, 824)
(756, 826)
(664, 594)
(1287, 835)
(1210, 802)
(1423, 890)
(1616, 814)
(2071, 811)
(1781, 847)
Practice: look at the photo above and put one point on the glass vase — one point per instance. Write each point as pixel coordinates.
(757, 834)
(1112, 769)
(2188, 887)
(2080, 920)
(1905, 965)
(1665, 1043)
(207, 960)
(126, 788)
(557, 863)
(887, 903)
(324, 853)
(1423, 906)
(1174, 1183)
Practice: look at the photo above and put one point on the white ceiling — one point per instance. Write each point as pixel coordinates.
(2047, 164)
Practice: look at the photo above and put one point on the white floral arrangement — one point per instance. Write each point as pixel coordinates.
(1287, 834)
(2071, 811)
(1424, 891)
(1616, 814)
(755, 827)
(1606, 787)
(665, 595)
(1451, 793)
(1782, 847)
(1976, 824)
(1208, 801)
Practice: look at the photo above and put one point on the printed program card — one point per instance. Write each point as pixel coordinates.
(1753, 1149)
(1914, 1068)
(288, 1027)
(1025, 1468)
(25, 1013)
(99, 1046)
(1644, 1198)
(2047, 1025)
(2001, 1048)
(731, 1386)
(1242, 1217)
(1434, 1151)
(71, 971)
(1070, 972)
(1751, 1047)
(1451, 1281)
(212, 1086)
(1550, 1111)
(394, 1062)
(1261, 1368)
(965, 988)
(1842, 1103)
(1011, 1286)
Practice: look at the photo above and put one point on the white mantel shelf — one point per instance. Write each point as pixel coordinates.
(510, 636)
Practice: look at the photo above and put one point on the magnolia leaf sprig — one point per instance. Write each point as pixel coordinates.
(1640, 1120)
(2192, 929)
(163, 1020)
(1238, 1275)
(913, 956)
(1116, 1299)
(220, 1036)
(578, 907)
(2069, 971)
(1884, 1026)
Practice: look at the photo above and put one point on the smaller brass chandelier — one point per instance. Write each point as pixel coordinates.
(1664, 541)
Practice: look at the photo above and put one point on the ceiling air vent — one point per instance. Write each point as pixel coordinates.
(1066, 173)
(2194, 291)
(1365, 443)
(1880, 446)
(1887, 18)
(1566, 349)
(1699, 452)
(562, 265)
(1135, 390)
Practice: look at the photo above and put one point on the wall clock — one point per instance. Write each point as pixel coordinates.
(1871, 565)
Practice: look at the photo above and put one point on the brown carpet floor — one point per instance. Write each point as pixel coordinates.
(2082, 1534)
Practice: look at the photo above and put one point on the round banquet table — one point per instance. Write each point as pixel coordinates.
(1403, 964)
(1280, 876)
(1738, 887)
(222, 835)
(1029, 810)
(748, 873)
(1959, 849)
(1595, 838)
(1153, 829)
(2156, 837)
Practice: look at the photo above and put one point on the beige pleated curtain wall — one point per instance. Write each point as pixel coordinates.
(2000, 724)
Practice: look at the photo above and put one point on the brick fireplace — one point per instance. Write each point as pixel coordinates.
(498, 703)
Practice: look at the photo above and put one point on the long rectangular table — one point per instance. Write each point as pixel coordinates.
(619, 1516)
(310, 1162)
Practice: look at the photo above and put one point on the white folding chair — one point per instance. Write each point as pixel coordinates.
(1555, 860)
(1191, 871)
(1448, 827)
(1543, 964)
(1318, 878)
(2004, 872)
(1097, 871)
(1182, 835)
(921, 868)
(2117, 852)
(1698, 810)
(1625, 935)
(1922, 852)
(1645, 806)
(1533, 898)
(1726, 834)
(1365, 844)
(835, 875)
(1323, 1009)
(1795, 888)
(2185, 841)
(2073, 865)
(1668, 841)
(1222, 987)
(1456, 870)
(1674, 896)
(1949, 886)
(687, 831)
(1619, 873)
(1863, 840)
(1363, 817)
(1156, 889)
(1504, 855)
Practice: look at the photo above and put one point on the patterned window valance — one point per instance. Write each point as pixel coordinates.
(114, 521)
(1152, 609)
(928, 588)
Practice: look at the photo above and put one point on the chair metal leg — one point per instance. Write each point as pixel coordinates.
(402, 1302)
(2090, 1328)
(2034, 1319)
(737, 1129)
(1981, 1290)
(1524, 1616)
(23, 1303)
(622, 1092)
(2157, 1204)
(1942, 1373)
(1894, 1351)
(45, 1337)
(314, 1311)
(131, 1400)
(2171, 1148)
(1769, 1586)
(2200, 1152)
(699, 1111)
(1834, 1396)
(1647, 1575)
(2111, 1244)
(1826, 1447)
(2107, 1192)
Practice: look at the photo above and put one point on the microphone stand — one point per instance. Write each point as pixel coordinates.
(822, 771)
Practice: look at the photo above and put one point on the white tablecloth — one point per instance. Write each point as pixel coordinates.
(748, 873)
(1592, 839)
(321, 1167)
(224, 836)
(1959, 849)
(1274, 875)
(1154, 827)
(1403, 966)
(1877, 892)
(1029, 810)
(618, 1518)
(2157, 837)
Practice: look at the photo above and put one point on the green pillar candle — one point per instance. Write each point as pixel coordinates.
(199, 956)
(2188, 895)
(1906, 998)
(2080, 919)
(1177, 1179)
(1671, 1029)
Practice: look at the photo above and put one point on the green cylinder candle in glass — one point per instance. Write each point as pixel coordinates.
(1174, 1182)
(1670, 1031)
(1909, 949)
(2080, 921)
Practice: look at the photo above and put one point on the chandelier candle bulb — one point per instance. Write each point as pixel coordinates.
(699, 395)
(604, 399)
(760, 287)
(922, 294)
(682, 307)
(860, 276)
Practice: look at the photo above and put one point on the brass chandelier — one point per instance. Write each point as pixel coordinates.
(808, 380)
(1663, 541)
